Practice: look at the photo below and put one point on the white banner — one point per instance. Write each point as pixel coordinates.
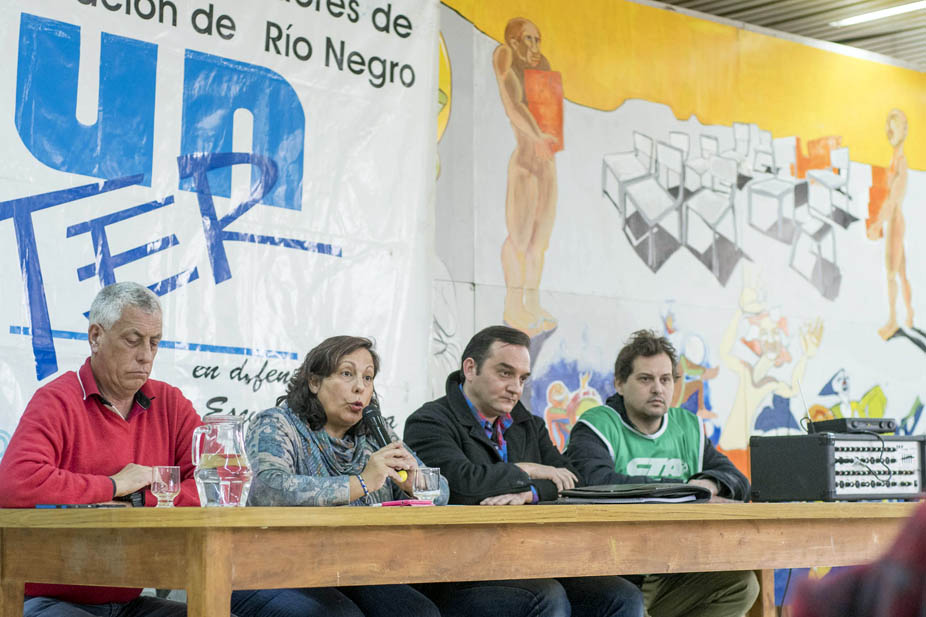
(265, 167)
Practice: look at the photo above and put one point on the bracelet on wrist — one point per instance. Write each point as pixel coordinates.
(363, 485)
(114, 486)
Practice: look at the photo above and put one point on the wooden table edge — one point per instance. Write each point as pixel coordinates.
(446, 515)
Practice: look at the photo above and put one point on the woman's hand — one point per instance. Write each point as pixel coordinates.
(386, 463)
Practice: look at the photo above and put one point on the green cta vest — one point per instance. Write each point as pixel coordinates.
(674, 452)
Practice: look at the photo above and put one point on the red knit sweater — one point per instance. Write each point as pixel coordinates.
(67, 443)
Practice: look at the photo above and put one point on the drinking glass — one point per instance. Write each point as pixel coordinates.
(165, 484)
(427, 483)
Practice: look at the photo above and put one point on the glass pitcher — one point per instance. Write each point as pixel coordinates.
(223, 476)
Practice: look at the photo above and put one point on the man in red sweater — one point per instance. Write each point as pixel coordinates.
(93, 436)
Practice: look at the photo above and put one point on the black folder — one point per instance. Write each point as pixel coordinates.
(635, 493)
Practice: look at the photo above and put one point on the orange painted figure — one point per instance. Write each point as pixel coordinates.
(891, 216)
(530, 203)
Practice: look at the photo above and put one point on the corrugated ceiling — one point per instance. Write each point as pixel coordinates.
(902, 37)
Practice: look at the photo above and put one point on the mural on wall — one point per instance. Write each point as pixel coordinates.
(712, 191)
(661, 191)
(565, 405)
(446, 339)
(695, 371)
(699, 193)
(444, 90)
(669, 194)
(909, 423)
(532, 97)
(889, 224)
(870, 405)
(757, 348)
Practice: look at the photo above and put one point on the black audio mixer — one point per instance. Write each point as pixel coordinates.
(836, 467)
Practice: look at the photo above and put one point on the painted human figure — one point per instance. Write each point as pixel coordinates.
(891, 215)
(771, 350)
(530, 203)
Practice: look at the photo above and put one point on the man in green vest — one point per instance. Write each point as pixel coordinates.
(637, 438)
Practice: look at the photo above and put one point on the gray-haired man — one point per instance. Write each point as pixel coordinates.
(92, 435)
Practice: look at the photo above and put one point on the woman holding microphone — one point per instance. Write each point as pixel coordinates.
(313, 449)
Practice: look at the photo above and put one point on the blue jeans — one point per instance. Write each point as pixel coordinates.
(593, 596)
(603, 596)
(539, 597)
(142, 606)
(361, 601)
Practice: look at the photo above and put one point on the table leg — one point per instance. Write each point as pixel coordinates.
(11, 598)
(208, 589)
(765, 603)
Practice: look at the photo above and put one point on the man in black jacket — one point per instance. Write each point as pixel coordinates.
(493, 451)
(638, 438)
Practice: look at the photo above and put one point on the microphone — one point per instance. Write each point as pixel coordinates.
(375, 423)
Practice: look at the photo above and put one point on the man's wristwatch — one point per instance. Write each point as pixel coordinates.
(137, 499)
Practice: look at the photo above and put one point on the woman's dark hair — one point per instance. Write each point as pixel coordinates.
(320, 362)
(644, 343)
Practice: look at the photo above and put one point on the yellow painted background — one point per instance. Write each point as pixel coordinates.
(609, 51)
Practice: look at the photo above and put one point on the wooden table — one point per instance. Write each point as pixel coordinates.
(209, 552)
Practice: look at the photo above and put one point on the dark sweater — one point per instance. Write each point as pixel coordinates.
(591, 457)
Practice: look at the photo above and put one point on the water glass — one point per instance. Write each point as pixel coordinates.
(165, 484)
(426, 482)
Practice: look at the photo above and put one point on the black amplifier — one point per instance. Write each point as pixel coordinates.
(853, 425)
(836, 467)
